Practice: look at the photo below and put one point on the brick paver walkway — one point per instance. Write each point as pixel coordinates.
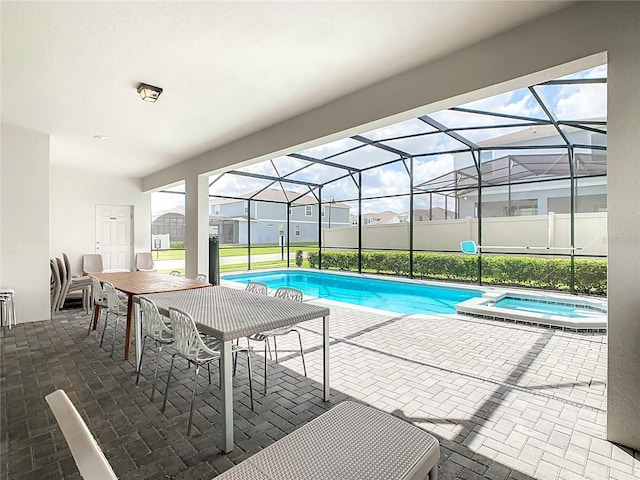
(505, 400)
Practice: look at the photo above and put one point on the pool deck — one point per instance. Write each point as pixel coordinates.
(505, 400)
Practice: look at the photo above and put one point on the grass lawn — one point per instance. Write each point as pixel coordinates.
(240, 267)
(231, 251)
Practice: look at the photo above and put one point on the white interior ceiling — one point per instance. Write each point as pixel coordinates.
(228, 69)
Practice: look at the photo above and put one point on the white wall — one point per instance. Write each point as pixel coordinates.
(623, 180)
(74, 196)
(24, 211)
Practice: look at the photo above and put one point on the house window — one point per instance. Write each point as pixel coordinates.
(323, 210)
(297, 230)
(308, 211)
(290, 210)
(270, 225)
(246, 207)
(522, 208)
(216, 209)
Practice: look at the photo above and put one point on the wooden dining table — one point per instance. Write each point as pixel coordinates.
(142, 283)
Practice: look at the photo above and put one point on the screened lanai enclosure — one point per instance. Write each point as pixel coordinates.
(521, 174)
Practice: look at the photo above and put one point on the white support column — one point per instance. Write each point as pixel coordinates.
(197, 221)
(226, 372)
(623, 179)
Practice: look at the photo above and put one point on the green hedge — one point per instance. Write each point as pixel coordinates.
(532, 272)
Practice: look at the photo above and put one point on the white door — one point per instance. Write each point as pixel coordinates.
(113, 236)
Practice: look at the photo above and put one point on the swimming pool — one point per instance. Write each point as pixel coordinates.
(545, 307)
(555, 310)
(398, 296)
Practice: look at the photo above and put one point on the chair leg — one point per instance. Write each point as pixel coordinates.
(106, 317)
(220, 373)
(304, 365)
(141, 357)
(250, 381)
(209, 370)
(155, 373)
(265, 366)
(275, 347)
(115, 330)
(166, 390)
(95, 307)
(193, 398)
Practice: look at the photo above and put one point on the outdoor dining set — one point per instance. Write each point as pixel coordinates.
(205, 324)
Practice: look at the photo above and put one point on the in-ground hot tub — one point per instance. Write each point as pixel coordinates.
(560, 311)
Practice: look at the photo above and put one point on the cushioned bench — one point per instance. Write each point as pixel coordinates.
(350, 441)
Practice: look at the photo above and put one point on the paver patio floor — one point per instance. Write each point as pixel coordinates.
(505, 400)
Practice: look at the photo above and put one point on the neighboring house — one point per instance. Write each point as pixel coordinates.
(378, 218)
(388, 217)
(422, 215)
(170, 222)
(538, 181)
(267, 215)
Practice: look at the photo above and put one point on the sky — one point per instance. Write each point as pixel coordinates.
(568, 102)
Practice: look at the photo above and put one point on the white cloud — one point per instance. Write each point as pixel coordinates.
(581, 102)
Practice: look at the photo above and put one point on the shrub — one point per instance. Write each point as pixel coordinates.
(299, 258)
(533, 272)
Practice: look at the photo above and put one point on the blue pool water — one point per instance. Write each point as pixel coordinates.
(394, 296)
(548, 308)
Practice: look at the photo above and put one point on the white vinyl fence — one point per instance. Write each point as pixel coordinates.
(552, 230)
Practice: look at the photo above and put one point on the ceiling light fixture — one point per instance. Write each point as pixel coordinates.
(149, 93)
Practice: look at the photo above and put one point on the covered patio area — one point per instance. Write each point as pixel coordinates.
(504, 400)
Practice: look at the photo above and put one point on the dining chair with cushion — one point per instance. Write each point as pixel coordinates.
(157, 328)
(116, 307)
(286, 293)
(99, 302)
(202, 277)
(193, 347)
(144, 262)
(92, 263)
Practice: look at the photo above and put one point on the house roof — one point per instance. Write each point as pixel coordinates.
(380, 217)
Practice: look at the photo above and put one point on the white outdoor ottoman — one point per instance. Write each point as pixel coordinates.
(349, 442)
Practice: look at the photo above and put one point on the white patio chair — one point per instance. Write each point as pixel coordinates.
(286, 293)
(55, 284)
(202, 277)
(144, 262)
(257, 287)
(99, 302)
(76, 285)
(7, 307)
(89, 458)
(199, 350)
(92, 263)
(116, 307)
(156, 328)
